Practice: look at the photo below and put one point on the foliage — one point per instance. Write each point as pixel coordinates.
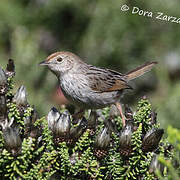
(173, 165)
(100, 33)
(55, 147)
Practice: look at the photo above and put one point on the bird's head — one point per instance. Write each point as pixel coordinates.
(60, 62)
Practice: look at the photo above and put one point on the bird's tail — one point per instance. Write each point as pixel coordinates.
(139, 70)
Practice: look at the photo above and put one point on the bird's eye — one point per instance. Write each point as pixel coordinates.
(59, 59)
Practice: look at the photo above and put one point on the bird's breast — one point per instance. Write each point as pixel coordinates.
(77, 90)
(74, 88)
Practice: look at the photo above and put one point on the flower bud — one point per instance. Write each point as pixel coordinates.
(3, 78)
(20, 98)
(10, 69)
(63, 124)
(155, 164)
(102, 140)
(76, 132)
(52, 118)
(114, 112)
(125, 139)
(3, 82)
(34, 132)
(34, 116)
(92, 119)
(3, 107)
(7, 124)
(151, 139)
(29, 123)
(111, 125)
(11, 137)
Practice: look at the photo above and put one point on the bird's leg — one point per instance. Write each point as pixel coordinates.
(121, 113)
(78, 115)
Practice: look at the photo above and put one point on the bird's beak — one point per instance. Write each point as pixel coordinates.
(43, 63)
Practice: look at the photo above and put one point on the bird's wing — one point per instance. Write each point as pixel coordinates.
(105, 80)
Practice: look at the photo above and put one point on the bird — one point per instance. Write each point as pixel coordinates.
(90, 87)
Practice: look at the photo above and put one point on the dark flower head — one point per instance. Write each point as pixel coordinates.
(11, 137)
(52, 118)
(125, 138)
(76, 132)
(63, 124)
(156, 165)
(3, 107)
(59, 124)
(152, 139)
(114, 112)
(20, 98)
(10, 69)
(103, 138)
(3, 78)
(92, 119)
(111, 125)
(3, 82)
(34, 116)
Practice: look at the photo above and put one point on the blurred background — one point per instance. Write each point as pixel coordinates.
(101, 34)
